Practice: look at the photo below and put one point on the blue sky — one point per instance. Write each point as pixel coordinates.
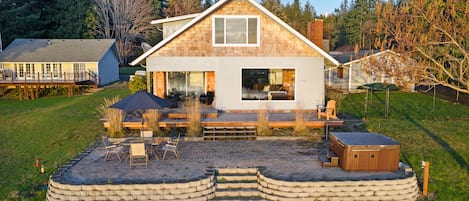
(321, 6)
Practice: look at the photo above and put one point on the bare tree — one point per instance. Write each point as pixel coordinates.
(124, 20)
(183, 7)
(434, 33)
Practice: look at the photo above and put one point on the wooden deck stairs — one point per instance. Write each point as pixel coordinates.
(230, 133)
(91, 91)
(237, 184)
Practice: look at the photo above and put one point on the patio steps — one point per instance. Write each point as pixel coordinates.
(230, 133)
(237, 184)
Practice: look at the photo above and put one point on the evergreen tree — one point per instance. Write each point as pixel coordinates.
(275, 7)
(68, 18)
(293, 14)
(207, 3)
(21, 19)
(159, 6)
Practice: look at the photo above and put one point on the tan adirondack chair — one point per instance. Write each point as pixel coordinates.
(138, 155)
(330, 111)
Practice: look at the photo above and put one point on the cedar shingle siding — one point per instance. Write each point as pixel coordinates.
(275, 40)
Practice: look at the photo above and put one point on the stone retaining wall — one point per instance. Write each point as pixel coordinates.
(271, 189)
(398, 189)
(195, 190)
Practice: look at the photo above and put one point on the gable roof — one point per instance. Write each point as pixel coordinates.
(350, 57)
(174, 19)
(57, 50)
(215, 7)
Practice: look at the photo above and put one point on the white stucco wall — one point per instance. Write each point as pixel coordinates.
(309, 78)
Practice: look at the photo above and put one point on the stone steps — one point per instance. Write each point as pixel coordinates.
(237, 184)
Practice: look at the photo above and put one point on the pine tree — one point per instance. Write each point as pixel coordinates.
(275, 7)
(207, 3)
(159, 6)
(68, 18)
(21, 19)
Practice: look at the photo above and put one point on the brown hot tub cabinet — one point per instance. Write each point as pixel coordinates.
(365, 151)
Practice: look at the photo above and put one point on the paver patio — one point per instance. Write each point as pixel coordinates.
(292, 160)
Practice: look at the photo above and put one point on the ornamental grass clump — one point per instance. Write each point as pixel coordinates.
(300, 121)
(263, 128)
(114, 117)
(193, 110)
(152, 118)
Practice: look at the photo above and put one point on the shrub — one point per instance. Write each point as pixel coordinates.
(263, 121)
(152, 119)
(137, 83)
(192, 108)
(300, 121)
(114, 117)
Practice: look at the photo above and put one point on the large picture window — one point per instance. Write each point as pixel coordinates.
(268, 84)
(186, 83)
(236, 31)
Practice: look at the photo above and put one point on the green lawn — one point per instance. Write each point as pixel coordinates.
(440, 137)
(57, 128)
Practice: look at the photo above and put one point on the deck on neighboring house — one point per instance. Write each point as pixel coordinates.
(30, 85)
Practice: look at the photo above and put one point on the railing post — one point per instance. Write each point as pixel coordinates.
(38, 78)
(65, 77)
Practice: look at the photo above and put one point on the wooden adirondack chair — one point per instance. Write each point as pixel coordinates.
(330, 111)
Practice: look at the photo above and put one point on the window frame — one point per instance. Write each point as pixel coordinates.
(293, 86)
(246, 17)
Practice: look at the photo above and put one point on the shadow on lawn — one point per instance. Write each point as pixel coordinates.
(459, 159)
(442, 143)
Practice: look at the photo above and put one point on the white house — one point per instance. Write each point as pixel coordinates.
(242, 53)
(368, 66)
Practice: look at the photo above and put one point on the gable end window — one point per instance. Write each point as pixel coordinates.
(236, 31)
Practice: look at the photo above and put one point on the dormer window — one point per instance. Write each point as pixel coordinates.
(236, 31)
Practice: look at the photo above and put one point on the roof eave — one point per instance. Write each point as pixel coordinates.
(174, 19)
(213, 8)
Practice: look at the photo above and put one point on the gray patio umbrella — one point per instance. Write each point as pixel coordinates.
(141, 101)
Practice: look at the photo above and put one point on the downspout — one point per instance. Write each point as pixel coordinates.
(350, 78)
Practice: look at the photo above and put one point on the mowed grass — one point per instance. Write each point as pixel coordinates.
(55, 129)
(440, 137)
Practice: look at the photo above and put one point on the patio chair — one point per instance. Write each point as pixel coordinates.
(111, 149)
(138, 155)
(330, 111)
(172, 146)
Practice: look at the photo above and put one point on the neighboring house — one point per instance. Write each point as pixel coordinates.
(368, 66)
(243, 54)
(60, 60)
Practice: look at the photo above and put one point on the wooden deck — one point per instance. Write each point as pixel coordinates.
(174, 118)
(30, 85)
